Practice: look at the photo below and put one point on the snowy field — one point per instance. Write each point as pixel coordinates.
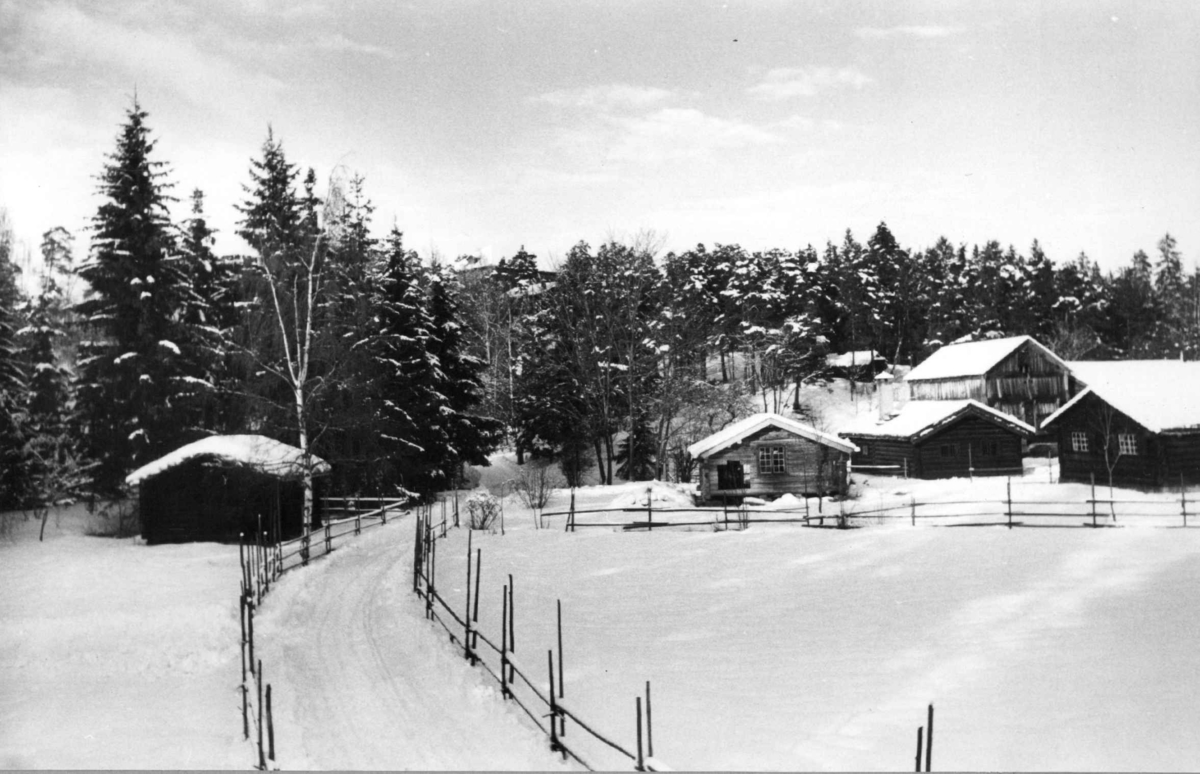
(115, 655)
(778, 647)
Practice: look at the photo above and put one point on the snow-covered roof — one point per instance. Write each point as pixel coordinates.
(920, 418)
(254, 451)
(752, 424)
(861, 357)
(973, 358)
(1160, 395)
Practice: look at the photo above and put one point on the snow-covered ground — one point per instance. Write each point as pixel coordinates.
(778, 647)
(115, 655)
(789, 648)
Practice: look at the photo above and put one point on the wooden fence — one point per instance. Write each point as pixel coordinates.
(498, 656)
(1093, 512)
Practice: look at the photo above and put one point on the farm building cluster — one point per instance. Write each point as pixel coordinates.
(974, 409)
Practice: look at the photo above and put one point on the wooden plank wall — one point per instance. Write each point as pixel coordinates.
(811, 467)
(970, 432)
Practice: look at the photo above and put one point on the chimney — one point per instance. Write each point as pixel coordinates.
(885, 401)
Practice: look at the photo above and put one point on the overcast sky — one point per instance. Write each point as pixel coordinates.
(483, 126)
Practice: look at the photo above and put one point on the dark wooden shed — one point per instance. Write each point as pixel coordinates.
(1016, 375)
(1139, 418)
(940, 439)
(218, 487)
(770, 455)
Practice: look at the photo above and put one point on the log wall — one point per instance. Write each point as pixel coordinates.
(811, 467)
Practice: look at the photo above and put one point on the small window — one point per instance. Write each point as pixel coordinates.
(1127, 443)
(949, 450)
(771, 460)
(864, 449)
(1079, 441)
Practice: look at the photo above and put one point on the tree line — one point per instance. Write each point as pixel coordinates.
(399, 370)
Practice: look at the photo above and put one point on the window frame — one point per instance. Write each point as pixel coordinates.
(1080, 442)
(775, 458)
(1125, 441)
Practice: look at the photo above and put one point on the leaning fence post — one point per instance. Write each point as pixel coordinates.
(512, 625)
(475, 612)
(554, 745)
(920, 732)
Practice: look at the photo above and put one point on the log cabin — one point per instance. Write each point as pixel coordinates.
(1136, 419)
(939, 439)
(217, 487)
(767, 455)
(1015, 375)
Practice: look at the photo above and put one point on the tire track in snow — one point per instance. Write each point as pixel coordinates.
(365, 682)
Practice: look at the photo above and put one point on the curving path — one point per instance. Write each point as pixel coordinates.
(362, 681)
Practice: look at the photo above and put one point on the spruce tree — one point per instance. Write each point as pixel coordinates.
(131, 406)
(14, 473)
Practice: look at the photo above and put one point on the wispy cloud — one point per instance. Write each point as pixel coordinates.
(907, 30)
(617, 95)
(339, 43)
(789, 82)
(69, 36)
(661, 136)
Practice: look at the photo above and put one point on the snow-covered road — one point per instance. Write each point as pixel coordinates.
(362, 681)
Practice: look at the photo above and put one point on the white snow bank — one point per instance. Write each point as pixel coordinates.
(641, 494)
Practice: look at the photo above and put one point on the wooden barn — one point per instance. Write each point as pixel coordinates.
(1015, 375)
(766, 455)
(215, 488)
(939, 439)
(1138, 418)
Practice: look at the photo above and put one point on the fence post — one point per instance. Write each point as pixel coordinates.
(504, 647)
(561, 681)
(512, 623)
(270, 726)
(250, 629)
(571, 514)
(641, 765)
(1094, 500)
(554, 745)
(417, 556)
(1183, 498)
(431, 582)
(929, 741)
(475, 612)
(305, 545)
(649, 509)
(920, 732)
(467, 612)
(358, 522)
(649, 725)
(1009, 502)
(262, 761)
(905, 467)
